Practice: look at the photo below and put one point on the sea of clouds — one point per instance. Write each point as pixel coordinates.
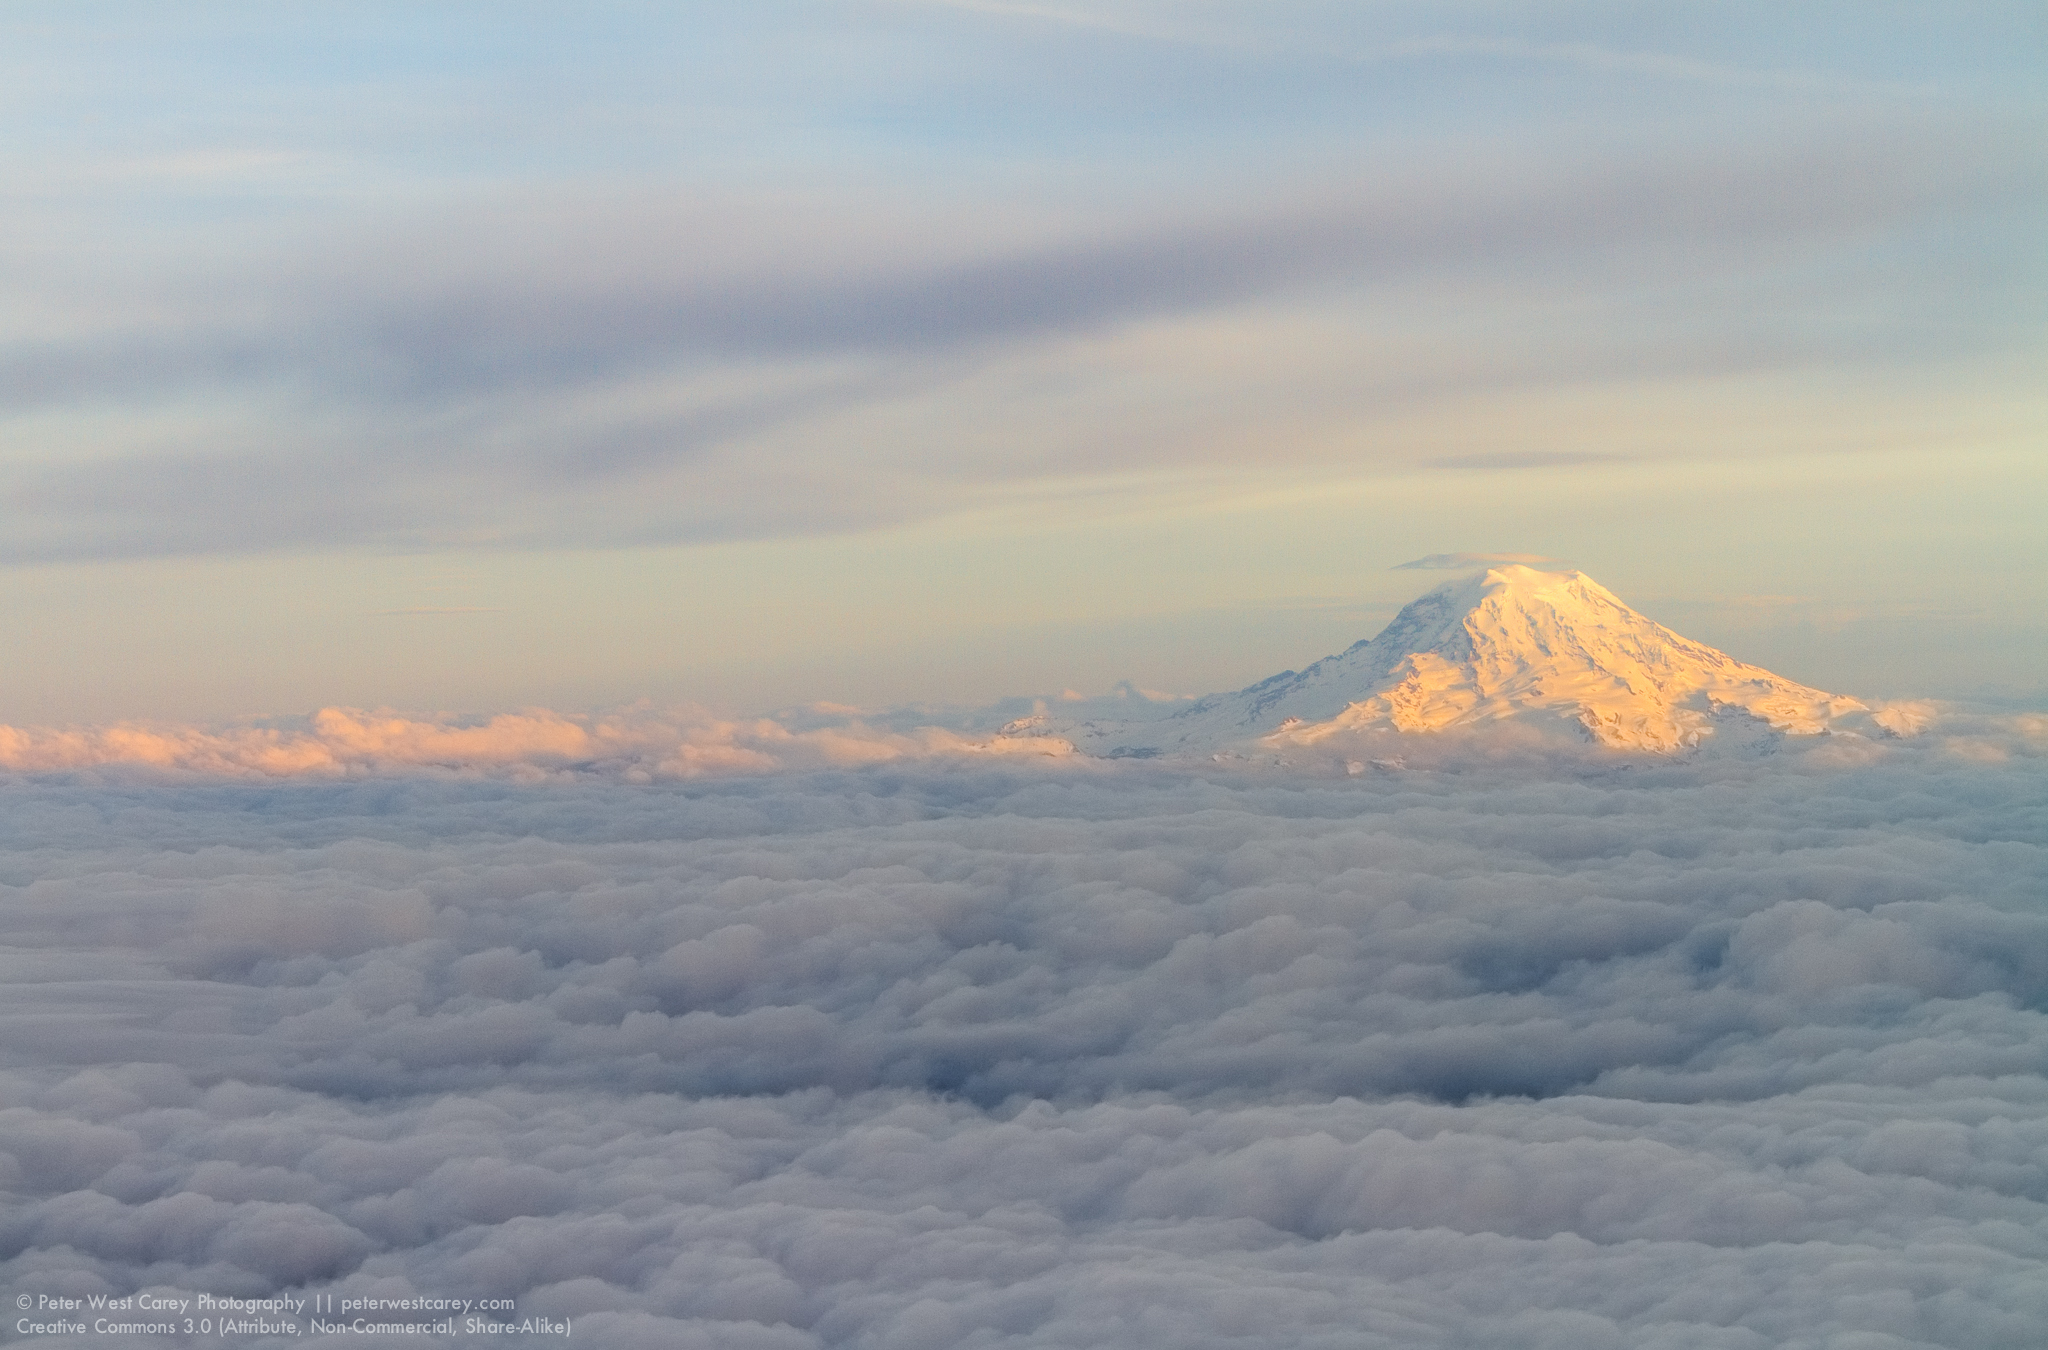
(1465, 1050)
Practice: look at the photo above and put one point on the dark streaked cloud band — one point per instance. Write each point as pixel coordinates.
(403, 330)
(421, 395)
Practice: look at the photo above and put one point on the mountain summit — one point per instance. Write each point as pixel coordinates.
(1506, 642)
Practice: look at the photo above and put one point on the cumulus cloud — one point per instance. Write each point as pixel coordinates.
(1734, 1052)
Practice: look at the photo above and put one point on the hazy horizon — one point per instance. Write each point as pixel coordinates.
(1237, 639)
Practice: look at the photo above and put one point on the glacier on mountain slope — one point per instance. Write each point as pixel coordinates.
(1511, 642)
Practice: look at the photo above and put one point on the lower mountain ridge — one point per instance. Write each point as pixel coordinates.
(1506, 643)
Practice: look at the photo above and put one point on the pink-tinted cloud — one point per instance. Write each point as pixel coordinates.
(639, 746)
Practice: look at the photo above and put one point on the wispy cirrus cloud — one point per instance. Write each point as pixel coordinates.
(1270, 37)
(595, 379)
(391, 325)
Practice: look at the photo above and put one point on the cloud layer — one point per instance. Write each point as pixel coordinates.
(642, 745)
(1724, 1053)
(638, 746)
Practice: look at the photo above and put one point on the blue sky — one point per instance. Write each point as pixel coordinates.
(483, 356)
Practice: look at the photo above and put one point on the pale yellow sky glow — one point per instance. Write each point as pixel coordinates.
(1045, 347)
(1186, 591)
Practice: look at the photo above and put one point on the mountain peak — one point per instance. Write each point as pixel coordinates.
(1506, 641)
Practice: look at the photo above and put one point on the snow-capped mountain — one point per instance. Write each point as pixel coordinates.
(1506, 642)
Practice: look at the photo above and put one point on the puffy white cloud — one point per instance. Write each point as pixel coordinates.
(1723, 1052)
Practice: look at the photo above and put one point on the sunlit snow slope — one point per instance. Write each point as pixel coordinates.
(1509, 642)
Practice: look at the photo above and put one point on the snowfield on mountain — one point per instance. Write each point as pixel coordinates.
(1552, 649)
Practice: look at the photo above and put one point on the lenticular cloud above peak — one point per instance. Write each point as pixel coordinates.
(1465, 562)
